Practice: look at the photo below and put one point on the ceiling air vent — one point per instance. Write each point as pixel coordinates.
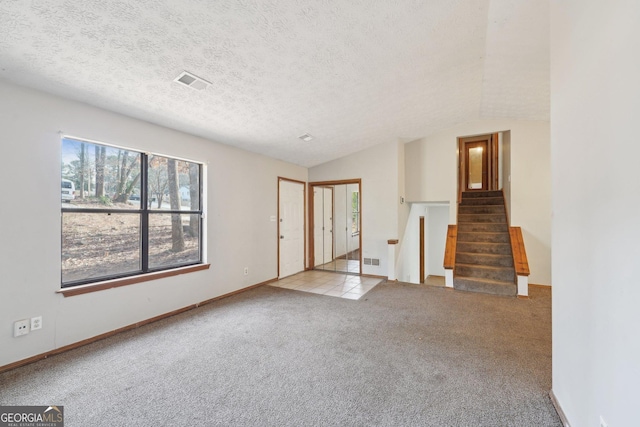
(306, 137)
(192, 81)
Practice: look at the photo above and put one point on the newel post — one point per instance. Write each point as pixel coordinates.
(391, 259)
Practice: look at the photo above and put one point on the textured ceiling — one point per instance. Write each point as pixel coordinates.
(352, 73)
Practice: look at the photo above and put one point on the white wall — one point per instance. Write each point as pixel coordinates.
(378, 169)
(436, 221)
(431, 176)
(596, 210)
(408, 265)
(404, 208)
(242, 195)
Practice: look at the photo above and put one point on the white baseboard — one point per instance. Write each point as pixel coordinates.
(559, 410)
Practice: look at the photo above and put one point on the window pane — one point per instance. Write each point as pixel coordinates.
(99, 176)
(355, 209)
(173, 184)
(174, 239)
(99, 245)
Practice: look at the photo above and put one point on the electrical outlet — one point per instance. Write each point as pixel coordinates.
(246, 271)
(36, 323)
(21, 327)
(602, 422)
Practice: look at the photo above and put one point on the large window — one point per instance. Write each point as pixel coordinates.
(126, 212)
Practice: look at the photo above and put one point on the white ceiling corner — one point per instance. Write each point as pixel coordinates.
(353, 74)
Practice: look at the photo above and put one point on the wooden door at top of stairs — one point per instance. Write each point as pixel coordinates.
(478, 163)
(476, 166)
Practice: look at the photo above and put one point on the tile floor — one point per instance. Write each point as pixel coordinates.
(328, 283)
(350, 266)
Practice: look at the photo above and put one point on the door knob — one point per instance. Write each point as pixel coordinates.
(282, 237)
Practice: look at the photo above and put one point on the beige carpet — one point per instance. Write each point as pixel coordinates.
(403, 355)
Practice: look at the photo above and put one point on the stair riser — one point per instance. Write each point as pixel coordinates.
(483, 237)
(482, 259)
(476, 201)
(482, 227)
(484, 248)
(487, 288)
(476, 194)
(481, 209)
(465, 218)
(498, 273)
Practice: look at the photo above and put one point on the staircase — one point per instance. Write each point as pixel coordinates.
(484, 261)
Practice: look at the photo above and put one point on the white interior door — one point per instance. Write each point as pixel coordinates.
(291, 227)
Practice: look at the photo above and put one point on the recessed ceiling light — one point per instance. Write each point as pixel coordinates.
(192, 81)
(306, 137)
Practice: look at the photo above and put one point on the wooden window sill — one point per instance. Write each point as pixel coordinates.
(125, 281)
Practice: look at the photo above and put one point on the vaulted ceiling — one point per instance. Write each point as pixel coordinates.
(353, 73)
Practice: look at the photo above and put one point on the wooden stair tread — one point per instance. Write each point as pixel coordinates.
(480, 280)
(484, 255)
(482, 266)
(482, 233)
(480, 223)
(484, 243)
(485, 286)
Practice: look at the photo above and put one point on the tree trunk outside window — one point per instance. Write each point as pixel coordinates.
(177, 234)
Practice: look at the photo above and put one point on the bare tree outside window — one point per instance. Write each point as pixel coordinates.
(177, 233)
(194, 200)
(129, 175)
(158, 180)
(111, 228)
(100, 157)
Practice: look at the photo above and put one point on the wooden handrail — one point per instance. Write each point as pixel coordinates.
(519, 254)
(450, 248)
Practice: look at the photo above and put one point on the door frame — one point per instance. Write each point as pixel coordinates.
(310, 252)
(492, 161)
(304, 219)
(485, 164)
